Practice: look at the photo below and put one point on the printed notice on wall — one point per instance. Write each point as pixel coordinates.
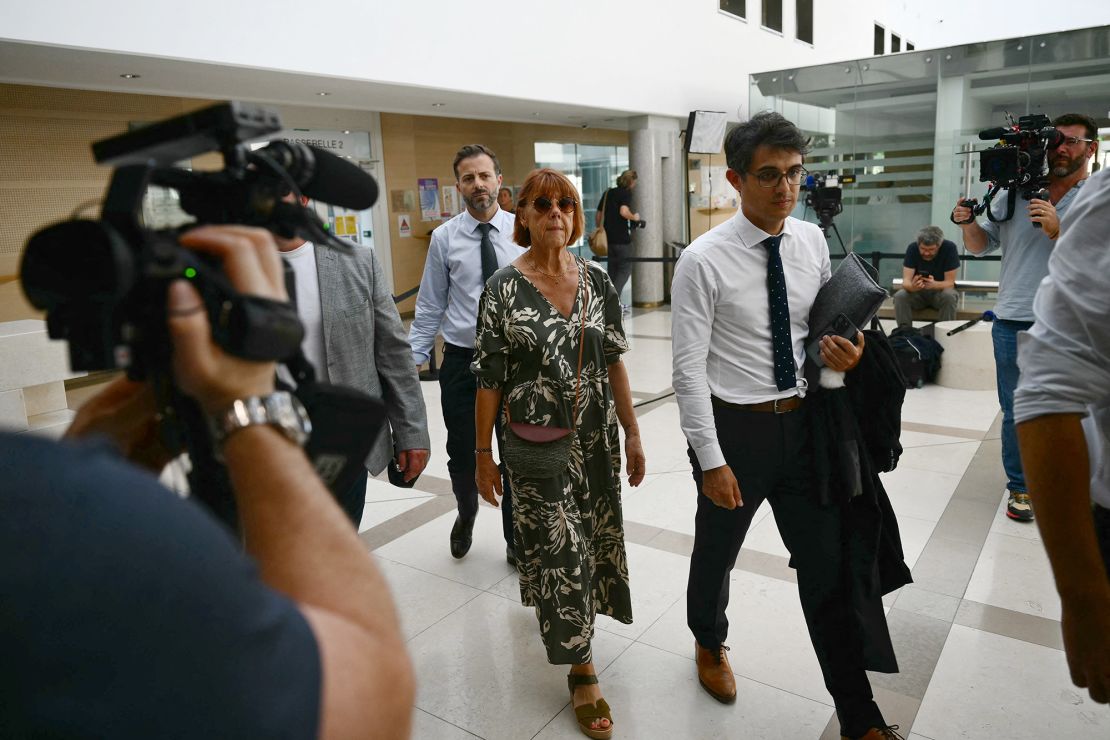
(402, 200)
(429, 198)
(404, 225)
(450, 202)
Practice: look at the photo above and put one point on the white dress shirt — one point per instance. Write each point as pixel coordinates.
(720, 321)
(1065, 357)
(307, 286)
(452, 281)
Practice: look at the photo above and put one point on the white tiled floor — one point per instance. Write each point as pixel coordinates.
(482, 670)
(986, 685)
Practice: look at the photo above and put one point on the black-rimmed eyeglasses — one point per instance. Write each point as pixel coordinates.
(771, 178)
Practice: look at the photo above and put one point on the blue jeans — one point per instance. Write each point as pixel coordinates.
(1004, 333)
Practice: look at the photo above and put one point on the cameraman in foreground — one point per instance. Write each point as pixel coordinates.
(128, 612)
(1026, 245)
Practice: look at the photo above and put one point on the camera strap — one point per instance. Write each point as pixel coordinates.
(1011, 202)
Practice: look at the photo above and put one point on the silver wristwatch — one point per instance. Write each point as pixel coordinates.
(280, 409)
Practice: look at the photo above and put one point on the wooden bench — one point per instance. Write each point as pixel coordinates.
(973, 301)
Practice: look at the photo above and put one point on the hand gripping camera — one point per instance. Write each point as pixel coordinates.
(103, 283)
(1017, 164)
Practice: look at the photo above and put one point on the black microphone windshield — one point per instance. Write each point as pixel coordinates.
(323, 176)
(988, 134)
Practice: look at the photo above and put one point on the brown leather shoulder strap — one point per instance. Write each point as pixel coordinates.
(584, 271)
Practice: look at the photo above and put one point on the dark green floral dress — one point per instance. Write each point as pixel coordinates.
(568, 530)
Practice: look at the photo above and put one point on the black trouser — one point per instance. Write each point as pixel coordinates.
(353, 500)
(618, 266)
(769, 455)
(458, 389)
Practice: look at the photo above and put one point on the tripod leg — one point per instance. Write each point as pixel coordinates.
(837, 232)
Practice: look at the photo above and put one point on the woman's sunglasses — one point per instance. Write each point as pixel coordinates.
(566, 204)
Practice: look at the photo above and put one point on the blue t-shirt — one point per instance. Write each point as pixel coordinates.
(1025, 253)
(128, 612)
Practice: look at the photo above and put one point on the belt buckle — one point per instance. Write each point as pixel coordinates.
(775, 407)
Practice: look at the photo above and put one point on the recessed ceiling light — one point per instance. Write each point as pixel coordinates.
(129, 76)
(438, 105)
(323, 94)
(346, 130)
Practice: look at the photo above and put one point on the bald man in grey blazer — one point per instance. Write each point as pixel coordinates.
(354, 337)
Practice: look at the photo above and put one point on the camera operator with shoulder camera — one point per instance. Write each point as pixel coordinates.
(129, 612)
(1026, 245)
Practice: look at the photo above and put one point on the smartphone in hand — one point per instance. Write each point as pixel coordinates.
(841, 326)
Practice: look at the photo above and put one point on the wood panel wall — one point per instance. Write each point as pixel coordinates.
(416, 147)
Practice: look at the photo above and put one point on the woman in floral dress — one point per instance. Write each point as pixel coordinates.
(568, 528)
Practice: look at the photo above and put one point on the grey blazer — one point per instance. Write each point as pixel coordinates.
(367, 349)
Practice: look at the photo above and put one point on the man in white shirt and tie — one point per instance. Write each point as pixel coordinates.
(463, 253)
(740, 304)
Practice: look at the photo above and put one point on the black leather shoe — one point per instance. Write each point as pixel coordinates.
(510, 556)
(462, 535)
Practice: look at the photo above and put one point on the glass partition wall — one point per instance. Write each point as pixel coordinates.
(902, 125)
(593, 169)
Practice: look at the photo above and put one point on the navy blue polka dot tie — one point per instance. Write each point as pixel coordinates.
(781, 345)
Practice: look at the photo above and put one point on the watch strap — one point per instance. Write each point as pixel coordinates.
(280, 409)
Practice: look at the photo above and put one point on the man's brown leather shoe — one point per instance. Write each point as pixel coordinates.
(715, 673)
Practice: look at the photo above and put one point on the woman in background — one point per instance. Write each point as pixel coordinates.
(616, 208)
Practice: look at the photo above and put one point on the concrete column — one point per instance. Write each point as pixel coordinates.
(655, 154)
(960, 116)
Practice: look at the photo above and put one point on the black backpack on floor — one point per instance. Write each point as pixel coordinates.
(918, 356)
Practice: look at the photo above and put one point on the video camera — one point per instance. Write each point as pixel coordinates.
(103, 283)
(825, 197)
(1017, 164)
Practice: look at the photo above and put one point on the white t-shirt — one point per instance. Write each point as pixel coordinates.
(303, 261)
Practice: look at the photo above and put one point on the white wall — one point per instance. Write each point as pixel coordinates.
(939, 23)
(652, 56)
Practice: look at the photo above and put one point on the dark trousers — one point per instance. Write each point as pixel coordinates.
(353, 501)
(769, 455)
(458, 389)
(618, 266)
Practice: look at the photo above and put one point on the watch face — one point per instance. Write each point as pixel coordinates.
(289, 415)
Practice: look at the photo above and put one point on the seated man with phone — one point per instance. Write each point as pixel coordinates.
(928, 278)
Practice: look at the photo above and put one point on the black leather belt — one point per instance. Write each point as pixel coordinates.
(454, 349)
(777, 406)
